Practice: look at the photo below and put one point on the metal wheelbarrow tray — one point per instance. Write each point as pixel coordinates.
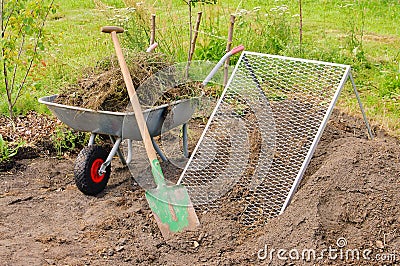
(92, 167)
(119, 124)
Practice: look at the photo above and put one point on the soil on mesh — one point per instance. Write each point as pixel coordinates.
(348, 198)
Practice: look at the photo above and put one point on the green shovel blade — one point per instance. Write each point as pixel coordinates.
(171, 206)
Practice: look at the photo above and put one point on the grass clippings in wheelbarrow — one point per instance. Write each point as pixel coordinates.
(103, 87)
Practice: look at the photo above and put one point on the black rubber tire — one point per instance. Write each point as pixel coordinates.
(90, 157)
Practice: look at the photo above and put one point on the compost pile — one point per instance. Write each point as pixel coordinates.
(103, 87)
(155, 79)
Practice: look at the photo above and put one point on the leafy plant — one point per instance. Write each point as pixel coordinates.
(355, 24)
(278, 29)
(212, 50)
(65, 139)
(135, 20)
(6, 150)
(21, 40)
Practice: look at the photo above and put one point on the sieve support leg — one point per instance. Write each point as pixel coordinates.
(361, 106)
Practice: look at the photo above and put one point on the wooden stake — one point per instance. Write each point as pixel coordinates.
(153, 29)
(228, 47)
(193, 41)
(301, 27)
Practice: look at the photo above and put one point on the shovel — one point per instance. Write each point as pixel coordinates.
(171, 205)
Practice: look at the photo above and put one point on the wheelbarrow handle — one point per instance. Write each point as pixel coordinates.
(109, 29)
(221, 62)
(152, 47)
(237, 49)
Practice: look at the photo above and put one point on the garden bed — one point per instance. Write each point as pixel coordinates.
(350, 191)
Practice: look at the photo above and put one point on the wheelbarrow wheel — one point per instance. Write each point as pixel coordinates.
(86, 171)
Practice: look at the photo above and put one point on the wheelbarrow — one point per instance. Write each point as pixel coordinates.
(93, 165)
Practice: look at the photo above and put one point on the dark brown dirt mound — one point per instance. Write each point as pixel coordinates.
(29, 135)
(353, 195)
(349, 197)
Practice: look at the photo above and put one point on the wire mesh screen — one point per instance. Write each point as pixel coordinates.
(262, 133)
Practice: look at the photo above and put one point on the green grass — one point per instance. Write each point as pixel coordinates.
(359, 33)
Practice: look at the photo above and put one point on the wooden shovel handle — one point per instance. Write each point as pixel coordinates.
(151, 153)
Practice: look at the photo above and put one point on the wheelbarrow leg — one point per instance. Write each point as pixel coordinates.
(185, 140)
(92, 138)
(113, 151)
(129, 159)
(119, 152)
(158, 150)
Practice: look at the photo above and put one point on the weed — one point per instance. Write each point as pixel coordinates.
(355, 24)
(7, 151)
(213, 50)
(271, 31)
(135, 21)
(64, 139)
(391, 86)
(278, 31)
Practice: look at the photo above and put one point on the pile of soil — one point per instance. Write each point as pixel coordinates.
(348, 200)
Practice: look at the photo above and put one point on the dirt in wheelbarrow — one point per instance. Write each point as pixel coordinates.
(103, 87)
(155, 79)
(347, 204)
